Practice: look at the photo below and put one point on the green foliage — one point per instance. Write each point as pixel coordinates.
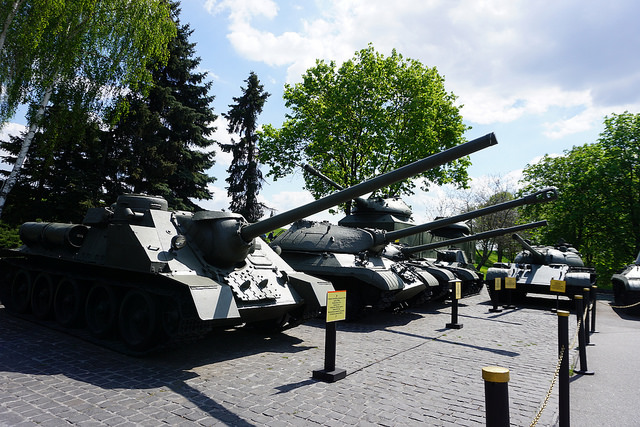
(598, 209)
(95, 43)
(93, 48)
(502, 219)
(9, 236)
(66, 169)
(369, 116)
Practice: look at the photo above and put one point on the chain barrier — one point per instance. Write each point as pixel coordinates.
(548, 396)
(555, 375)
(575, 339)
(625, 306)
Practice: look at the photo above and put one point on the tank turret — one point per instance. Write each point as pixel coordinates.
(385, 213)
(535, 266)
(139, 274)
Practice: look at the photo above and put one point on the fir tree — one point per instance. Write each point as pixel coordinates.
(245, 179)
(163, 138)
(64, 173)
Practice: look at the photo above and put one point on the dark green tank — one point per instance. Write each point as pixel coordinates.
(535, 266)
(367, 264)
(626, 286)
(403, 242)
(141, 276)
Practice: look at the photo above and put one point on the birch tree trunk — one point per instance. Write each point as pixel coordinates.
(22, 155)
(7, 23)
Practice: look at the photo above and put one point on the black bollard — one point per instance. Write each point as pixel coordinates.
(594, 300)
(586, 292)
(496, 295)
(582, 348)
(496, 395)
(563, 380)
(456, 290)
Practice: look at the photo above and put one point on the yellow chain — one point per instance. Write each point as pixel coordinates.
(555, 378)
(548, 396)
(625, 306)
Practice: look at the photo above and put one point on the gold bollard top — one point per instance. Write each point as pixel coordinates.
(495, 374)
(563, 313)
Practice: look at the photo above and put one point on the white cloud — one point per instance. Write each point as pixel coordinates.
(243, 10)
(504, 58)
(11, 129)
(219, 202)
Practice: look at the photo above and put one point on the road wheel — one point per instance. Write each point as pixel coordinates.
(42, 296)
(138, 320)
(101, 310)
(170, 317)
(20, 294)
(68, 303)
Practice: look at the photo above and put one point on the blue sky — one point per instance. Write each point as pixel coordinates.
(541, 74)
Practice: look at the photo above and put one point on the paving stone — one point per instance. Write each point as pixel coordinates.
(402, 369)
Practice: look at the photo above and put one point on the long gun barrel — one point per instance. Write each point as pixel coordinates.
(478, 236)
(322, 176)
(262, 227)
(534, 253)
(542, 196)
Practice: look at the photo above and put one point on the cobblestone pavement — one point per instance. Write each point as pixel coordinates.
(402, 369)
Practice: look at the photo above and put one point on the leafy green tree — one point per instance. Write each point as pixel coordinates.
(162, 142)
(369, 116)
(95, 44)
(23, 23)
(598, 209)
(245, 178)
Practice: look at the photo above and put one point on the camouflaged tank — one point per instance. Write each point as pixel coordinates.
(138, 276)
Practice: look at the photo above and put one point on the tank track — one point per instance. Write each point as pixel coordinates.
(182, 327)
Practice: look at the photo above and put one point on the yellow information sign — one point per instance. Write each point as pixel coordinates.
(558, 286)
(336, 306)
(497, 284)
(458, 290)
(509, 282)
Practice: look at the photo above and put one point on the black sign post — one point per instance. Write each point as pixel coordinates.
(336, 310)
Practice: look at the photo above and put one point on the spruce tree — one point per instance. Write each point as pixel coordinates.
(163, 144)
(245, 179)
(64, 172)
